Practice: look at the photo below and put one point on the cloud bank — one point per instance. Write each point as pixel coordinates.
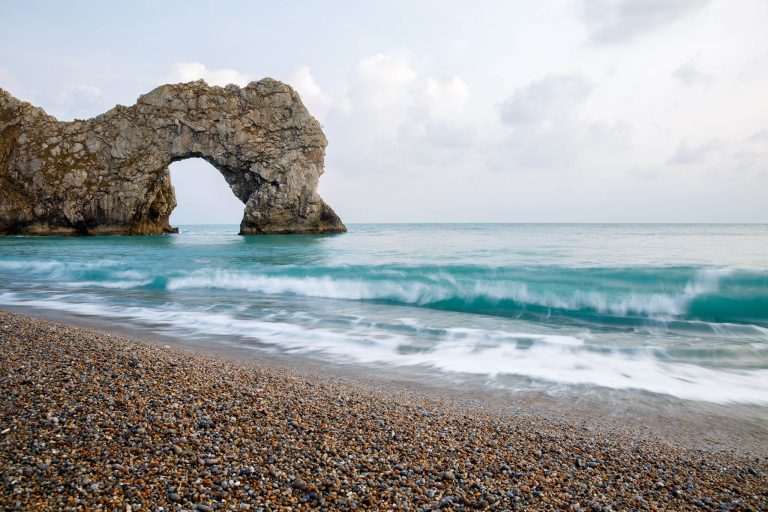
(599, 111)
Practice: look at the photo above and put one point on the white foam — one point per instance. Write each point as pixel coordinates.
(475, 336)
(29, 265)
(440, 286)
(555, 358)
(49, 265)
(116, 285)
(326, 287)
(129, 274)
(706, 281)
(612, 370)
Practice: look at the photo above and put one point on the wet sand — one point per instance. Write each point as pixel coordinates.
(100, 421)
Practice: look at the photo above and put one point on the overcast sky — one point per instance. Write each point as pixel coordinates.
(438, 111)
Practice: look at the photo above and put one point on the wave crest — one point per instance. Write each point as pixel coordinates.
(585, 294)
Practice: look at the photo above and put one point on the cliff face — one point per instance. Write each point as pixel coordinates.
(109, 174)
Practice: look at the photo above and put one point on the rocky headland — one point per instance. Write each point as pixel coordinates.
(109, 174)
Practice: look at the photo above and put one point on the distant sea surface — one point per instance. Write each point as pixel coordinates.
(675, 310)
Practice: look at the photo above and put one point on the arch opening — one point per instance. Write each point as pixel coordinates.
(203, 196)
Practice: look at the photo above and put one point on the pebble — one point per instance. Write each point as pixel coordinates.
(99, 422)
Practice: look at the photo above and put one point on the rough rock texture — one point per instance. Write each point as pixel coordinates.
(109, 174)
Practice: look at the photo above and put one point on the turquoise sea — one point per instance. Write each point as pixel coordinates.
(675, 310)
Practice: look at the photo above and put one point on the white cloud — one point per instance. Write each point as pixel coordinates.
(545, 125)
(545, 101)
(444, 98)
(726, 157)
(690, 73)
(79, 95)
(191, 71)
(8, 82)
(759, 139)
(79, 101)
(619, 21)
(690, 154)
(395, 119)
(314, 98)
(380, 81)
(752, 153)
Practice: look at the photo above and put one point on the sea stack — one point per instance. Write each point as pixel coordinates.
(109, 174)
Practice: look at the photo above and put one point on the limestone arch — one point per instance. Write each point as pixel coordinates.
(110, 175)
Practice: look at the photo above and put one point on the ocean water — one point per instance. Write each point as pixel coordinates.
(671, 310)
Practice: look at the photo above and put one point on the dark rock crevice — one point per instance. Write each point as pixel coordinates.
(109, 174)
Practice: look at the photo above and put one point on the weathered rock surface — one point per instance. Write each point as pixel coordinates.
(109, 174)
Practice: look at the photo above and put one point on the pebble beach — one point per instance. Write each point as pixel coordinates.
(95, 421)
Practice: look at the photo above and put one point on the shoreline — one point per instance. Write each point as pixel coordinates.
(739, 429)
(105, 421)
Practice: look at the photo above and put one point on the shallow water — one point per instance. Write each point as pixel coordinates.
(676, 310)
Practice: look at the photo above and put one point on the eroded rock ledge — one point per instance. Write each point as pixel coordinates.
(109, 174)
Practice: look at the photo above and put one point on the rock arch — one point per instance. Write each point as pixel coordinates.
(109, 174)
